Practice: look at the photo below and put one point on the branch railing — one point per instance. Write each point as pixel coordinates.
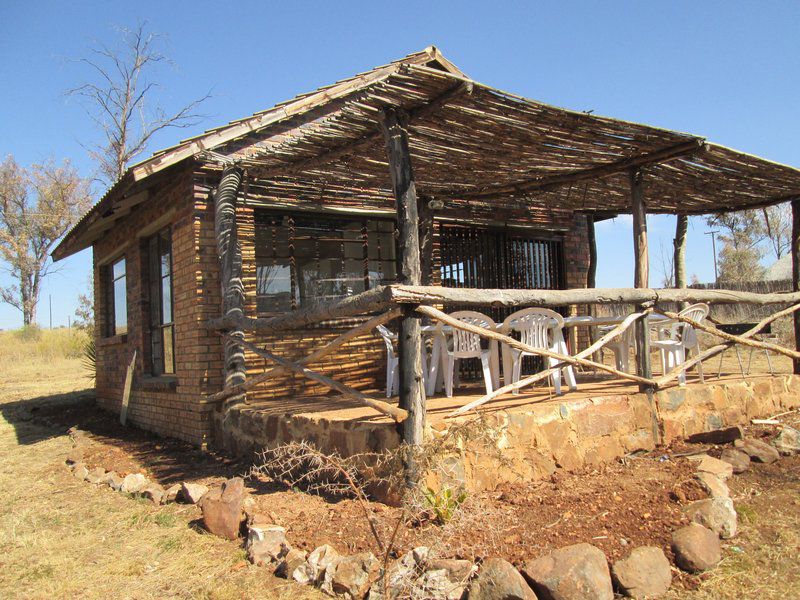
(387, 301)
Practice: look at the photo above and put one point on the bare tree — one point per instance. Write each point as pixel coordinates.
(778, 227)
(120, 100)
(37, 207)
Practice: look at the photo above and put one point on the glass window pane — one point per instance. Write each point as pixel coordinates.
(119, 269)
(120, 307)
(273, 288)
(166, 300)
(169, 353)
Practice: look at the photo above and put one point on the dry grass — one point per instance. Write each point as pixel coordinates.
(62, 538)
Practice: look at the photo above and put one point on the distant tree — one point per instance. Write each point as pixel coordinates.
(667, 261)
(37, 207)
(778, 228)
(120, 100)
(740, 253)
(84, 314)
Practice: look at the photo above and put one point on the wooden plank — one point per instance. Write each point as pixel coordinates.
(412, 393)
(126, 391)
(398, 414)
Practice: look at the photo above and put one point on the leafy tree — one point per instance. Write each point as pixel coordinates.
(740, 253)
(84, 314)
(120, 100)
(37, 207)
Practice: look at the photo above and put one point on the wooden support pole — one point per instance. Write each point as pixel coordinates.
(425, 212)
(679, 255)
(230, 259)
(591, 275)
(796, 273)
(641, 279)
(412, 393)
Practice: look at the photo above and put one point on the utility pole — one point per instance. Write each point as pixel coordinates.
(714, 251)
(50, 299)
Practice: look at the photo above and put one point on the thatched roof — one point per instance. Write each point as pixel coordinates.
(471, 144)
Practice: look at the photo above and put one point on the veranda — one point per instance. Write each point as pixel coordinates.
(442, 140)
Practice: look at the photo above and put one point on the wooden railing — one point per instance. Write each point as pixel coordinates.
(388, 302)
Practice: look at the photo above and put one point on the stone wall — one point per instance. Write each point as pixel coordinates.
(531, 442)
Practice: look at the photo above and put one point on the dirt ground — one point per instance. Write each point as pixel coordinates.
(103, 541)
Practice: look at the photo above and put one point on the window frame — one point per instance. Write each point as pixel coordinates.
(110, 280)
(157, 246)
(369, 224)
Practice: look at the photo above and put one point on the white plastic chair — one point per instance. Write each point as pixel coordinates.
(622, 344)
(467, 345)
(540, 328)
(681, 338)
(392, 360)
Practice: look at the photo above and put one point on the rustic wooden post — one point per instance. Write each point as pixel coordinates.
(412, 394)
(679, 255)
(641, 280)
(591, 278)
(425, 212)
(796, 272)
(230, 258)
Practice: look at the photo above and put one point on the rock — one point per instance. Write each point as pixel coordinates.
(787, 441)
(497, 579)
(712, 484)
(134, 483)
(153, 492)
(80, 471)
(736, 458)
(312, 572)
(644, 573)
(403, 576)
(74, 456)
(222, 508)
(715, 466)
(351, 576)
(96, 476)
(696, 548)
(717, 436)
(171, 494)
(268, 546)
(757, 450)
(192, 492)
(573, 573)
(448, 577)
(293, 559)
(114, 481)
(717, 514)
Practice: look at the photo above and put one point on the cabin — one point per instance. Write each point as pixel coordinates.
(242, 273)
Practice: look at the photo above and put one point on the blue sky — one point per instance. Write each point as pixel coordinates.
(725, 70)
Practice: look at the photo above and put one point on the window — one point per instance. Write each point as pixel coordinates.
(116, 298)
(304, 260)
(162, 329)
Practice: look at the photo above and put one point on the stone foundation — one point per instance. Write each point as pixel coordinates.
(530, 442)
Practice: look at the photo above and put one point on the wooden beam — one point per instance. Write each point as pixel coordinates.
(407, 294)
(382, 407)
(591, 275)
(426, 233)
(230, 259)
(796, 272)
(639, 211)
(412, 393)
(367, 302)
(544, 182)
(311, 358)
